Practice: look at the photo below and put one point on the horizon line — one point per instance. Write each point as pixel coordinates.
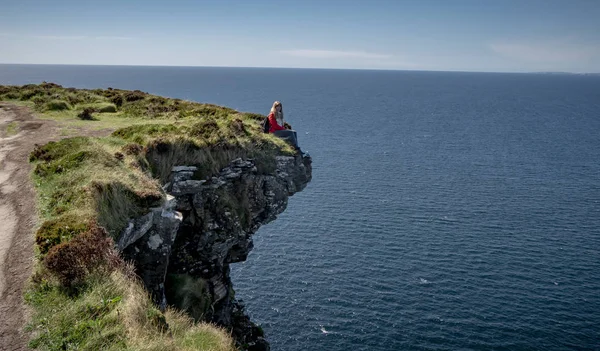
(306, 68)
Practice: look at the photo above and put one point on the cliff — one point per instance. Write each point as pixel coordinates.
(142, 212)
(182, 250)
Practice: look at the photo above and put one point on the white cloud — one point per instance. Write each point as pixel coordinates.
(558, 51)
(333, 54)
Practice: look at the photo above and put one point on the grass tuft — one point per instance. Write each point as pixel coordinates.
(107, 108)
(86, 114)
(57, 105)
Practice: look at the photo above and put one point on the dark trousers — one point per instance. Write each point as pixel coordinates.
(288, 135)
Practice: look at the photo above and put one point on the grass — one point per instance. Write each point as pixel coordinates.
(11, 128)
(114, 108)
(55, 105)
(69, 121)
(115, 178)
(113, 312)
(85, 178)
(85, 183)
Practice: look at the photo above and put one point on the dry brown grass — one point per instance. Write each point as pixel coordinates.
(113, 311)
(147, 331)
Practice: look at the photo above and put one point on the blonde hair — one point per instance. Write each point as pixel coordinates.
(278, 115)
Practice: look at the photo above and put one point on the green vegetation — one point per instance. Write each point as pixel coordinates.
(48, 97)
(88, 189)
(113, 312)
(11, 128)
(111, 108)
(82, 179)
(54, 105)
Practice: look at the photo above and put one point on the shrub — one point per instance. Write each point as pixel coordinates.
(117, 100)
(107, 108)
(12, 95)
(39, 101)
(135, 95)
(48, 86)
(30, 92)
(73, 99)
(57, 105)
(59, 230)
(86, 114)
(72, 261)
(55, 150)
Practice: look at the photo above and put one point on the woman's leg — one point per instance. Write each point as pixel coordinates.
(288, 135)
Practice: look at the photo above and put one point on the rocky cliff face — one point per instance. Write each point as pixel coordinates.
(183, 249)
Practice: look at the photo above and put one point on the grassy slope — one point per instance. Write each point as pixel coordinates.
(86, 183)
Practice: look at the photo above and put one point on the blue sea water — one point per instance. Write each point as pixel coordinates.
(447, 211)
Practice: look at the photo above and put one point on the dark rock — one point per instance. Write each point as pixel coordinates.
(207, 225)
(147, 241)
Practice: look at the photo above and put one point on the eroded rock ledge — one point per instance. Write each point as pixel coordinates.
(183, 249)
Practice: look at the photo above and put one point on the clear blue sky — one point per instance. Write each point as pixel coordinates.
(473, 35)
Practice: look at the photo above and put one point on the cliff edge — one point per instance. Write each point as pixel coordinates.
(142, 210)
(182, 250)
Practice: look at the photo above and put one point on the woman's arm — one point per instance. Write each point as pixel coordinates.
(273, 124)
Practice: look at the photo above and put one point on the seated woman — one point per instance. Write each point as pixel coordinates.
(278, 127)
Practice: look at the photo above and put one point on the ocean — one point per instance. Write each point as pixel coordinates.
(447, 210)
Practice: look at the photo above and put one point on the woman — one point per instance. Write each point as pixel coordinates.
(278, 127)
(276, 118)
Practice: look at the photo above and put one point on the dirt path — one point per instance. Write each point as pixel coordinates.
(20, 131)
(17, 216)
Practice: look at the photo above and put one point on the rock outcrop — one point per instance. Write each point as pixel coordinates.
(183, 249)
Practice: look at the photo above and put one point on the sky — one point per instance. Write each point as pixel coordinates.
(450, 35)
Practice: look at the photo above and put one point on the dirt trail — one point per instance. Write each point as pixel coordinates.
(20, 131)
(17, 216)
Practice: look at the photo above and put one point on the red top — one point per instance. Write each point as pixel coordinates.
(273, 126)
